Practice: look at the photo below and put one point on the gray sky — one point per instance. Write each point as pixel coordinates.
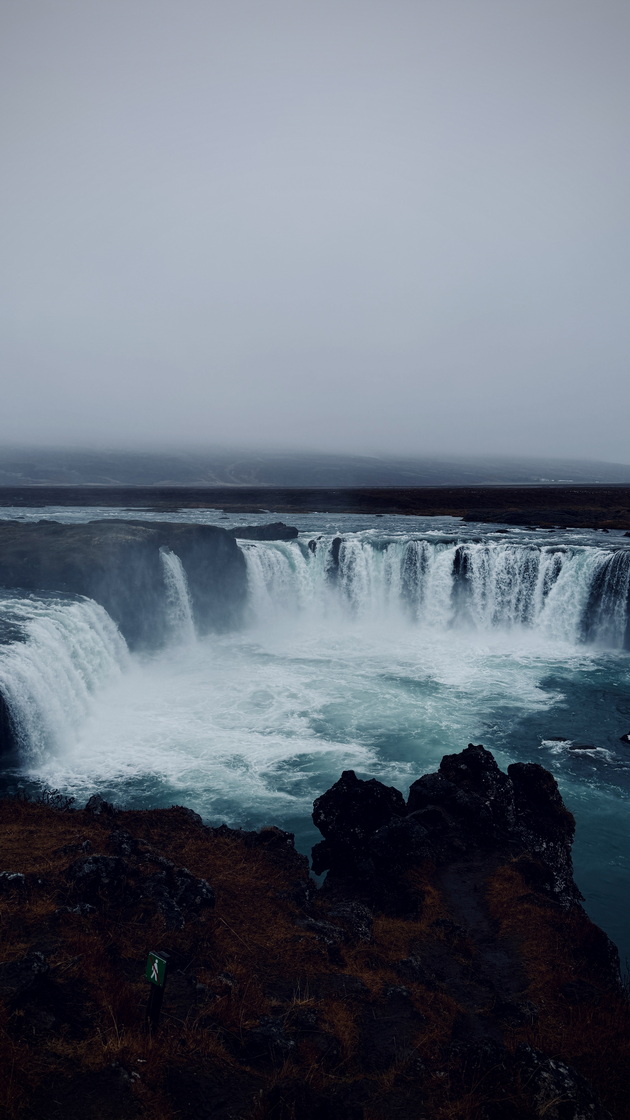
(354, 225)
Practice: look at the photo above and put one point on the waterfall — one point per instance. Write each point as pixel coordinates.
(570, 593)
(61, 651)
(178, 604)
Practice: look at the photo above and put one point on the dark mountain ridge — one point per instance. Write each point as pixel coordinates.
(63, 467)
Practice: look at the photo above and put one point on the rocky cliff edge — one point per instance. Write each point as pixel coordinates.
(445, 970)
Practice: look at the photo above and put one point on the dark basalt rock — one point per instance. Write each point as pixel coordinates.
(98, 879)
(11, 880)
(372, 838)
(353, 810)
(445, 926)
(471, 790)
(355, 919)
(549, 1088)
(178, 894)
(99, 807)
(267, 1043)
(544, 827)
(332, 565)
(357, 818)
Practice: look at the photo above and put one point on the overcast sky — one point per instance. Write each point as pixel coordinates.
(353, 225)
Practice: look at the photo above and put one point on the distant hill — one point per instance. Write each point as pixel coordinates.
(287, 469)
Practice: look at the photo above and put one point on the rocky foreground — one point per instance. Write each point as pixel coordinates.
(445, 970)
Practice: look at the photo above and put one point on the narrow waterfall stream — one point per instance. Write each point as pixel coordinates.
(179, 605)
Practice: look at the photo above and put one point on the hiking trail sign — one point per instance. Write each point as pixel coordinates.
(155, 970)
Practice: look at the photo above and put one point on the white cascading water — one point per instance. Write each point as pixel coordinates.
(68, 649)
(568, 594)
(178, 604)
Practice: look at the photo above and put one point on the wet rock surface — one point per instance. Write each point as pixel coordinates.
(445, 969)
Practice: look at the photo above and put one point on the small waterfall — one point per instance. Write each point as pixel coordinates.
(607, 615)
(179, 607)
(65, 650)
(567, 593)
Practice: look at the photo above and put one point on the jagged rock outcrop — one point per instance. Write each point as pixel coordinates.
(468, 807)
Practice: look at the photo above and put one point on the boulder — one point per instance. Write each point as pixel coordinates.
(11, 881)
(473, 793)
(98, 879)
(177, 894)
(99, 807)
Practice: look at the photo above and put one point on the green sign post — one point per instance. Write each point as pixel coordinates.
(155, 972)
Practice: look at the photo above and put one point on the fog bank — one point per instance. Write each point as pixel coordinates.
(359, 228)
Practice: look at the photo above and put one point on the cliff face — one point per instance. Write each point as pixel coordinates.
(446, 968)
(117, 563)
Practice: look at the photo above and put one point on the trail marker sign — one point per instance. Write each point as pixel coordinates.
(155, 970)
